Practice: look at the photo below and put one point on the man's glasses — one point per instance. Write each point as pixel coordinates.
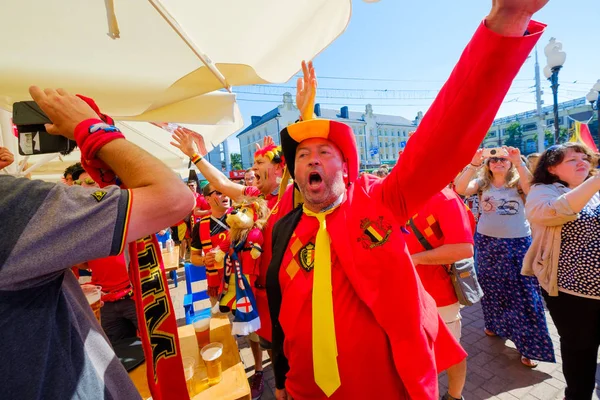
(87, 181)
(497, 160)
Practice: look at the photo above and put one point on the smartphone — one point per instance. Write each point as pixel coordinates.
(33, 138)
(495, 152)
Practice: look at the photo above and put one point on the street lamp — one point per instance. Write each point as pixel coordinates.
(556, 59)
(594, 97)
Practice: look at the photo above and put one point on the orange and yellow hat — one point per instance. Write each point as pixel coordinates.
(338, 133)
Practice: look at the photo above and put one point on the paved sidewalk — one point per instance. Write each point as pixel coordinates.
(494, 368)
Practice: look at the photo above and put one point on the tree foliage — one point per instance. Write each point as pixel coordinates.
(236, 161)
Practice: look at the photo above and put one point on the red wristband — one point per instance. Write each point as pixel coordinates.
(91, 135)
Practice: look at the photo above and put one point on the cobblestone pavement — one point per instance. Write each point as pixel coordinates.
(494, 368)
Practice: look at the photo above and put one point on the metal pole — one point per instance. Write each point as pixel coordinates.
(554, 80)
(538, 99)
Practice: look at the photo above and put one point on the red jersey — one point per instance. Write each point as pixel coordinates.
(359, 344)
(442, 220)
(208, 234)
(111, 274)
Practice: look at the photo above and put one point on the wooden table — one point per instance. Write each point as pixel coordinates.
(234, 384)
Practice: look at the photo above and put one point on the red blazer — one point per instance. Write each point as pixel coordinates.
(444, 143)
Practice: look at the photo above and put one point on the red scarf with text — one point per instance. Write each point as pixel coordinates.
(155, 313)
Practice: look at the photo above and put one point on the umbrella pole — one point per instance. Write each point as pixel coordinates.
(160, 8)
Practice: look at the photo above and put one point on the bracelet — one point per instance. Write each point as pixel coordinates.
(195, 158)
(475, 166)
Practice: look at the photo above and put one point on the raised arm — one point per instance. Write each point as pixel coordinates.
(545, 206)
(184, 140)
(492, 58)
(464, 184)
(525, 176)
(155, 189)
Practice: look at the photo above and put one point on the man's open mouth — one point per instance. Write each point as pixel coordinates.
(314, 179)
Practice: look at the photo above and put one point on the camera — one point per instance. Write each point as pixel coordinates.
(495, 152)
(33, 138)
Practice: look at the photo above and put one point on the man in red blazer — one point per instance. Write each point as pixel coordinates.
(350, 316)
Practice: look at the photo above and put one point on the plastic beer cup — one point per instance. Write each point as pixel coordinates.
(202, 330)
(211, 355)
(93, 295)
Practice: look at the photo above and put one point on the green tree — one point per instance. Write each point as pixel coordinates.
(515, 135)
(236, 161)
(563, 136)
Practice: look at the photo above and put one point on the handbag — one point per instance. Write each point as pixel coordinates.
(462, 274)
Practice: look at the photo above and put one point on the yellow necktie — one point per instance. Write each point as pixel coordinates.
(325, 353)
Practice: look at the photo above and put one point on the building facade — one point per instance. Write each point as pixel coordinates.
(568, 112)
(379, 137)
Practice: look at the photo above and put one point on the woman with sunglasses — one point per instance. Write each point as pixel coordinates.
(564, 210)
(512, 303)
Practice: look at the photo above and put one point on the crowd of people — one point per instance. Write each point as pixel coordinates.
(346, 260)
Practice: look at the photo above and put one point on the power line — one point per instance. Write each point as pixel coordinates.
(347, 104)
(358, 94)
(347, 78)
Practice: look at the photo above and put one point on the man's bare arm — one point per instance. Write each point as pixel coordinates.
(159, 197)
(184, 140)
(443, 255)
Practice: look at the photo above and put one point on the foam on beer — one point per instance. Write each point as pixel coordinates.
(212, 353)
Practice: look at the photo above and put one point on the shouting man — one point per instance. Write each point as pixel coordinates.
(340, 277)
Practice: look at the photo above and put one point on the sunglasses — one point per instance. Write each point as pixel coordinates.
(87, 181)
(215, 191)
(497, 160)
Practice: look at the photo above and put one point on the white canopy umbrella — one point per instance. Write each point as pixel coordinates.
(161, 60)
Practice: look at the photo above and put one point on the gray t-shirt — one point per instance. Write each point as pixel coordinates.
(52, 346)
(502, 213)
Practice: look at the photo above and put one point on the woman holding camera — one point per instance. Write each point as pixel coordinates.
(512, 303)
(564, 210)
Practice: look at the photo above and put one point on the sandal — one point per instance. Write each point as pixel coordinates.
(528, 363)
(489, 333)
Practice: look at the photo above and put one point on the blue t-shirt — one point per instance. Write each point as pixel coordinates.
(52, 345)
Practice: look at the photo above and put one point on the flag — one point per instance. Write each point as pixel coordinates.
(582, 134)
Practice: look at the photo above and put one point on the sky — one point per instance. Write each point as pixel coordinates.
(409, 49)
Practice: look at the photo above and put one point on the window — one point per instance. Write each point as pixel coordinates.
(530, 146)
(550, 122)
(529, 127)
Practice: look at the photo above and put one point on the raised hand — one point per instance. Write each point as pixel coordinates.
(477, 158)
(267, 141)
(511, 17)
(514, 155)
(517, 7)
(184, 140)
(65, 110)
(306, 91)
(6, 158)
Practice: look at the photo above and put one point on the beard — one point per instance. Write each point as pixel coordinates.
(330, 190)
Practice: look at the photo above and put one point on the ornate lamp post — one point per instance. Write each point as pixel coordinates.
(594, 97)
(556, 59)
